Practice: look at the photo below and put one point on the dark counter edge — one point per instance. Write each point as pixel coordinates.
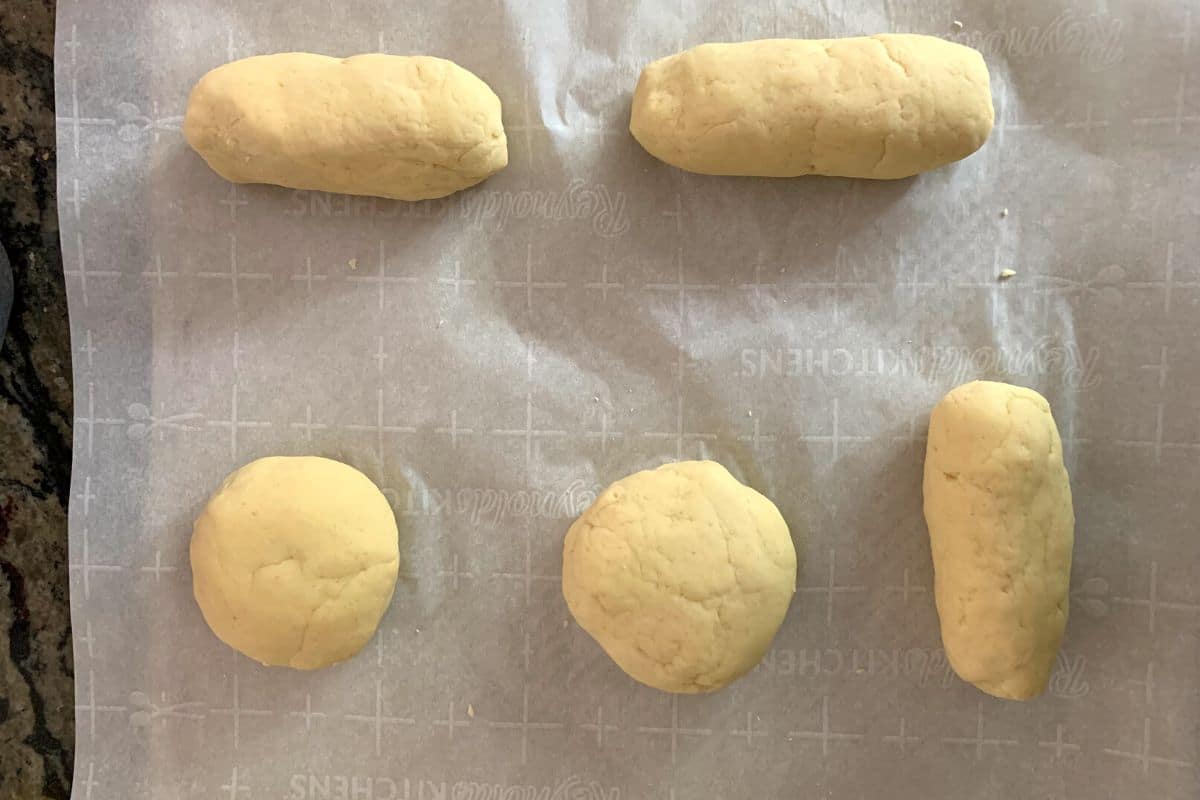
(37, 701)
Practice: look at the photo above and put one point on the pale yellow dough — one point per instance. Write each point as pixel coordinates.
(1001, 527)
(885, 106)
(294, 561)
(404, 127)
(682, 574)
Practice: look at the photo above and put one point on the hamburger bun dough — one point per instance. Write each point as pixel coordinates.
(682, 574)
(294, 561)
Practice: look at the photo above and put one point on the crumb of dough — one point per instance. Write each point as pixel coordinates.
(470, 711)
(1004, 212)
(957, 25)
(1005, 274)
(352, 263)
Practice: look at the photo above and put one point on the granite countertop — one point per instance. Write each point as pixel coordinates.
(37, 692)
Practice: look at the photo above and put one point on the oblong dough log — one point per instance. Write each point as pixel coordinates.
(1001, 528)
(885, 106)
(404, 127)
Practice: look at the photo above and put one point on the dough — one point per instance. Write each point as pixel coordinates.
(682, 575)
(885, 106)
(1001, 527)
(405, 127)
(294, 561)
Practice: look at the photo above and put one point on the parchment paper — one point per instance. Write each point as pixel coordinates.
(494, 359)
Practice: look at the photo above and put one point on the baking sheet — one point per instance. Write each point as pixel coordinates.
(494, 359)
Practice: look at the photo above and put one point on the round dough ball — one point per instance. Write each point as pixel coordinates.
(682, 574)
(294, 561)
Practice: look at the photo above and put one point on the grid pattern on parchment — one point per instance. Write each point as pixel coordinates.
(492, 360)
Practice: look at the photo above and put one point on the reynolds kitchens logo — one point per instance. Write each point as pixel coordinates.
(1047, 357)
(484, 209)
(492, 210)
(1094, 39)
(489, 506)
(365, 787)
(927, 667)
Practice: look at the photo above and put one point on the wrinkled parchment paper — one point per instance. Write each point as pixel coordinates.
(494, 359)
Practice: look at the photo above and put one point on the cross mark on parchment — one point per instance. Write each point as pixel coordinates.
(525, 725)
(675, 730)
(86, 566)
(454, 431)
(382, 279)
(82, 272)
(450, 723)
(92, 708)
(235, 787)
(158, 568)
(604, 284)
(1169, 282)
(599, 726)
(1153, 603)
(979, 741)
(902, 738)
(749, 731)
(831, 588)
(1060, 745)
(235, 711)
(1178, 119)
(235, 275)
(307, 714)
(529, 284)
(378, 720)
(1143, 754)
(528, 577)
(826, 734)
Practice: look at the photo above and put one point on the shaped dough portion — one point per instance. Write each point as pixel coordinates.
(294, 561)
(404, 127)
(1001, 528)
(886, 106)
(682, 575)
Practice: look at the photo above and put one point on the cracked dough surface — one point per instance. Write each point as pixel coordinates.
(886, 106)
(294, 561)
(1001, 528)
(682, 574)
(404, 127)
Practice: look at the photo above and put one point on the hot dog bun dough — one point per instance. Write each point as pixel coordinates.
(1001, 527)
(885, 106)
(294, 561)
(682, 575)
(405, 127)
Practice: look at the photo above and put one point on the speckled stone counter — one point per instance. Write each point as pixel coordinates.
(36, 693)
